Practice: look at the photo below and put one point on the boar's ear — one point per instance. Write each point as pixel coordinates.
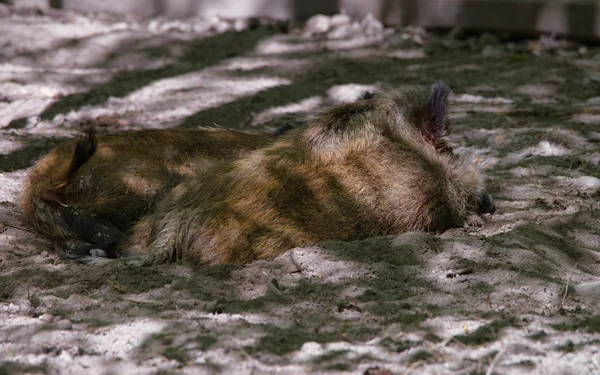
(434, 123)
(84, 150)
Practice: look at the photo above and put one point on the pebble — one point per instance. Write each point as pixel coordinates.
(341, 32)
(80, 327)
(75, 351)
(492, 52)
(339, 20)
(240, 25)
(587, 183)
(590, 289)
(371, 25)
(65, 356)
(98, 253)
(47, 318)
(64, 324)
(273, 289)
(456, 365)
(58, 120)
(594, 101)
(317, 24)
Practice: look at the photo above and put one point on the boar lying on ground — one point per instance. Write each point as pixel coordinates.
(375, 167)
(86, 194)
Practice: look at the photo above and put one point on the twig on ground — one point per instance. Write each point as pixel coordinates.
(594, 203)
(17, 227)
(413, 366)
(567, 286)
(490, 369)
(452, 339)
(595, 362)
(446, 341)
(8, 288)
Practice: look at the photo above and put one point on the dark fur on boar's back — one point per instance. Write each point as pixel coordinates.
(375, 167)
(85, 194)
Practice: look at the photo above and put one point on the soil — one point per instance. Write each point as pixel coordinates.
(518, 295)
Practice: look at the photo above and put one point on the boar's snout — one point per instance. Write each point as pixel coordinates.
(486, 204)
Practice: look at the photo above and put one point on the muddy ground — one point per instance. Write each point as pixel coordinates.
(520, 295)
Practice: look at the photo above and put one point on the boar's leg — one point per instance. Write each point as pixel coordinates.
(92, 230)
(485, 204)
(78, 250)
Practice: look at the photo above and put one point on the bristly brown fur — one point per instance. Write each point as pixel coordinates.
(96, 188)
(374, 167)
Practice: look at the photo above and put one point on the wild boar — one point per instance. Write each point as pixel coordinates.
(380, 166)
(85, 194)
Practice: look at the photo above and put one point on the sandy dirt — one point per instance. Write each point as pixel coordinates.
(519, 295)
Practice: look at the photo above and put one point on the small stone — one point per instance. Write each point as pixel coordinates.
(65, 356)
(212, 306)
(339, 20)
(32, 121)
(58, 120)
(377, 371)
(13, 308)
(456, 365)
(220, 26)
(590, 289)
(64, 324)
(371, 25)
(587, 183)
(44, 254)
(75, 351)
(49, 92)
(594, 100)
(46, 318)
(240, 25)
(489, 39)
(341, 32)
(312, 348)
(490, 51)
(99, 253)
(274, 290)
(80, 327)
(317, 24)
